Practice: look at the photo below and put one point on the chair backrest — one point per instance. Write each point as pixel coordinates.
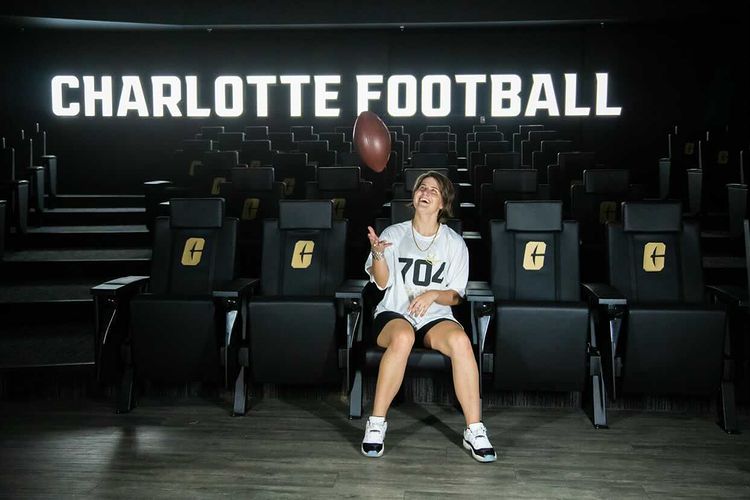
(7, 163)
(197, 145)
(282, 141)
(438, 128)
(336, 141)
(252, 195)
(484, 128)
(256, 132)
(523, 134)
(256, 152)
(194, 248)
(212, 132)
(598, 200)
(425, 160)
(535, 253)
(425, 146)
(505, 185)
(303, 133)
(303, 250)
(654, 255)
(231, 141)
(534, 143)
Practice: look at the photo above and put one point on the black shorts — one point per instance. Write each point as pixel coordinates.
(383, 318)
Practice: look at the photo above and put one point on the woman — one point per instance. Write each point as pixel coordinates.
(423, 266)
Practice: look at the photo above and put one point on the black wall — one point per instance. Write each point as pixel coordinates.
(661, 74)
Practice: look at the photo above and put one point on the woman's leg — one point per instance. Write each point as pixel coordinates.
(450, 339)
(397, 338)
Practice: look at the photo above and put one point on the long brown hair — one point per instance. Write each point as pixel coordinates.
(447, 192)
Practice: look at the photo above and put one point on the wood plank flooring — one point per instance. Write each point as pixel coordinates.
(308, 449)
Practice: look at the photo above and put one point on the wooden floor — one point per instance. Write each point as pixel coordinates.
(308, 449)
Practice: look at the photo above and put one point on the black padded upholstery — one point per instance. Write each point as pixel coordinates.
(294, 327)
(175, 328)
(541, 328)
(673, 340)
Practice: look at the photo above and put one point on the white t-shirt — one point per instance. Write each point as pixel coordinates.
(411, 271)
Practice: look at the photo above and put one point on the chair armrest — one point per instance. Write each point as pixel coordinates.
(479, 291)
(603, 294)
(120, 287)
(236, 288)
(351, 289)
(729, 294)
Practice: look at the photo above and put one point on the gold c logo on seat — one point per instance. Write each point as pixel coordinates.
(303, 254)
(218, 181)
(689, 148)
(250, 208)
(193, 251)
(533, 256)
(654, 254)
(607, 212)
(193, 164)
(289, 185)
(339, 204)
(723, 157)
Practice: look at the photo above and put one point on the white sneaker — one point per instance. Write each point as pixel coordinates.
(476, 441)
(372, 443)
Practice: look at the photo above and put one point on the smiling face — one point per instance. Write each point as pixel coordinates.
(428, 196)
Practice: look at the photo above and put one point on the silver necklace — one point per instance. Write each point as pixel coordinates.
(413, 237)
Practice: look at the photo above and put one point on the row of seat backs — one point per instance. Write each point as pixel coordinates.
(195, 249)
(653, 254)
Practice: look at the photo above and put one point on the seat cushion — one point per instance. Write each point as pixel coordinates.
(175, 339)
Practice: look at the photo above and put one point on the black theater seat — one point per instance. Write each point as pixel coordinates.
(317, 152)
(297, 332)
(568, 170)
(541, 339)
(256, 133)
(667, 339)
(252, 196)
(211, 133)
(596, 202)
(482, 172)
(303, 133)
(336, 142)
(183, 328)
(507, 185)
(230, 141)
(523, 135)
(215, 170)
(353, 200)
(293, 170)
(256, 153)
(14, 191)
(282, 141)
(484, 148)
(547, 155)
(534, 143)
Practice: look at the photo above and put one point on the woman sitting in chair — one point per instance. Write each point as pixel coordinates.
(423, 266)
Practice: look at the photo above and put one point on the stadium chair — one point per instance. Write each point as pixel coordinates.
(541, 340)
(230, 141)
(256, 133)
(533, 143)
(256, 153)
(293, 170)
(185, 327)
(354, 201)
(303, 133)
(14, 191)
(252, 196)
(298, 332)
(336, 142)
(210, 133)
(317, 153)
(282, 141)
(523, 135)
(664, 337)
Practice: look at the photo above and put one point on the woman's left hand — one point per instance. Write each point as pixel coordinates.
(421, 303)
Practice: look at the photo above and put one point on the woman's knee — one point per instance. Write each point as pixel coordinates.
(459, 344)
(401, 339)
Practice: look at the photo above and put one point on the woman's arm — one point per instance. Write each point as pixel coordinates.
(421, 303)
(379, 268)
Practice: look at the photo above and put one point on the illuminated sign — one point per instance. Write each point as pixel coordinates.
(405, 95)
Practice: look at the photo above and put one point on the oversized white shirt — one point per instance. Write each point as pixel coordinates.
(442, 265)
